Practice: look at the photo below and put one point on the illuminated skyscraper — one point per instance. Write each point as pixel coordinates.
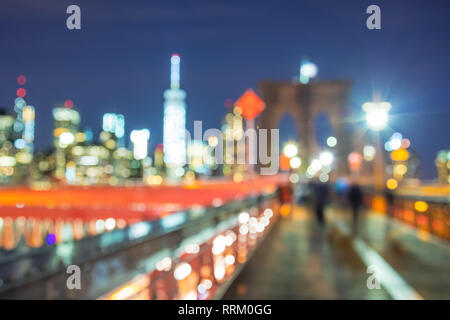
(174, 143)
(67, 121)
(28, 116)
(6, 127)
(200, 156)
(23, 135)
(7, 160)
(443, 166)
(234, 144)
(139, 138)
(19, 104)
(158, 157)
(115, 123)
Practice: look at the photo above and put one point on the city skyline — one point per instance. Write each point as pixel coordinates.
(101, 74)
(249, 151)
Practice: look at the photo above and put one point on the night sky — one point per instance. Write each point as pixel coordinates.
(119, 60)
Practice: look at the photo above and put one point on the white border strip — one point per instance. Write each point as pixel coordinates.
(390, 279)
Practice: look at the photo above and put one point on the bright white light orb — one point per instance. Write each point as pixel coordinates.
(377, 119)
(244, 217)
(316, 165)
(268, 212)
(182, 271)
(295, 162)
(326, 158)
(66, 138)
(140, 143)
(308, 70)
(396, 141)
(100, 226)
(290, 150)
(331, 142)
(110, 224)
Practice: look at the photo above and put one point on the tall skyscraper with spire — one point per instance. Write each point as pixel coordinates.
(174, 143)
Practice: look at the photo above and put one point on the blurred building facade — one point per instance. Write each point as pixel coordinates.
(174, 140)
(443, 166)
(234, 145)
(7, 159)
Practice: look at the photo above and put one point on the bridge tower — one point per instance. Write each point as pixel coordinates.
(304, 102)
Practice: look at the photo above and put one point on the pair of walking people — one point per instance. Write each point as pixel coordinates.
(320, 196)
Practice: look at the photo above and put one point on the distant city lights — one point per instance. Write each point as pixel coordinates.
(21, 80)
(114, 123)
(66, 138)
(21, 92)
(68, 104)
(140, 143)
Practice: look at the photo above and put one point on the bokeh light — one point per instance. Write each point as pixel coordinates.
(391, 184)
(21, 92)
(68, 103)
(421, 206)
(21, 80)
(331, 142)
(51, 239)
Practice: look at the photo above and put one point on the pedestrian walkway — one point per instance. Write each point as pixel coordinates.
(301, 260)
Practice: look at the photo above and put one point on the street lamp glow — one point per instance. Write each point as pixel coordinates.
(316, 165)
(323, 177)
(377, 119)
(376, 114)
(290, 150)
(391, 184)
(308, 70)
(326, 158)
(331, 142)
(295, 162)
(369, 152)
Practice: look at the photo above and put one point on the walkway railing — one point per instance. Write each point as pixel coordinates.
(143, 251)
(426, 213)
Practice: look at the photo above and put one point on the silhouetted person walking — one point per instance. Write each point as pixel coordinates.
(320, 199)
(355, 198)
(389, 197)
